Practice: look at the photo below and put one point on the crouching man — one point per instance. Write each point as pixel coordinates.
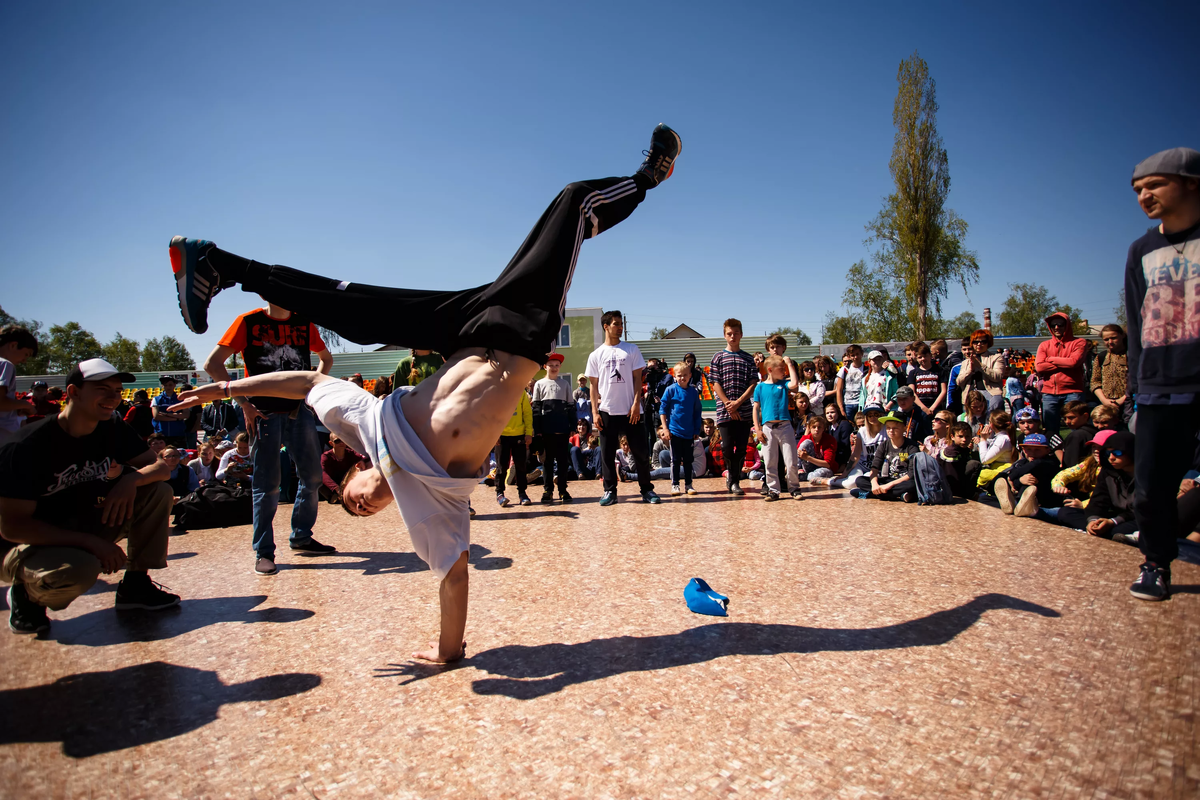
(71, 487)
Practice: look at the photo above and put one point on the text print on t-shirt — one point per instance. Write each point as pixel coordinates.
(1170, 313)
(76, 473)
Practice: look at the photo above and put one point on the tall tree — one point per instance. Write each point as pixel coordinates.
(1119, 312)
(658, 333)
(165, 355)
(919, 240)
(842, 329)
(960, 327)
(68, 345)
(123, 353)
(1026, 308)
(802, 338)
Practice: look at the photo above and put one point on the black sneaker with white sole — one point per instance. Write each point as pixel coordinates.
(1153, 584)
(197, 281)
(665, 147)
(24, 615)
(136, 590)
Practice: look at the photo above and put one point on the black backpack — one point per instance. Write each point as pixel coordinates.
(215, 505)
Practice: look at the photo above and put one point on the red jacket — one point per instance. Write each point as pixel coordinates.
(1059, 362)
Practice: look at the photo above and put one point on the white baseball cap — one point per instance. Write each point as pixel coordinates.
(96, 369)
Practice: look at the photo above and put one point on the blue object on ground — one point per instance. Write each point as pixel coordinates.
(701, 599)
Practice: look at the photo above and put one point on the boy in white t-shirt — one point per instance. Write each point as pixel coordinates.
(426, 443)
(848, 385)
(615, 372)
(16, 345)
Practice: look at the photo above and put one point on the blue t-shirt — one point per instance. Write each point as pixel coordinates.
(772, 401)
(173, 428)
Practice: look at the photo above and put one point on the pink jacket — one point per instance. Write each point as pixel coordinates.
(1059, 362)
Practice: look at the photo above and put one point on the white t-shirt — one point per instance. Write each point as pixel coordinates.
(10, 421)
(852, 379)
(432, 504)
(612, 366)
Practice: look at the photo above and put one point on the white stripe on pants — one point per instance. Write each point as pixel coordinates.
(780, 435)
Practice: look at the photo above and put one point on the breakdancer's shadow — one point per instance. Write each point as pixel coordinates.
(539, 670)
(392, 563)
(99, 712)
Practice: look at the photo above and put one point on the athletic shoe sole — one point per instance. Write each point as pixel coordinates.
(183, 265)
(1150, 597)
(1027, 506)
(1004, 495)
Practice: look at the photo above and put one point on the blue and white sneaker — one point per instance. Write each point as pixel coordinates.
(196, 280)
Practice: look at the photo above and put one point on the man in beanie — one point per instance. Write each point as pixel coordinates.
(71, 487)
(1162, 278)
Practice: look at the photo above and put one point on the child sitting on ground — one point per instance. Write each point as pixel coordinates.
(863, 444)
(890, 466)
(1075, 446)
(1028, 422)
(841, 430)
(1075, 484)
(1109, 512)
(1104, 418)
(936, 442)
(995, 444)
(236, 464)
(1029, 480)
(817, 451)
(961, 471)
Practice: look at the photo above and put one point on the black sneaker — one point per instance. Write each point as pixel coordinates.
(196, 280)
(24, 615)
(564, 495)
(524, 499)
(651, 497)
(771, 496)
(608, 498)
(1153, 584)
(136, 590)
(547, 498)
(313, 546)
(796, 495)
(665, 146)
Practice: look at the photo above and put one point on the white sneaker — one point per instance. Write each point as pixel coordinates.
(675, 490)
(1004, 495)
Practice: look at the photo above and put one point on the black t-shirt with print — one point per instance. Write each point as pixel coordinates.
(891, 462)
(927, 383)
(67, 476)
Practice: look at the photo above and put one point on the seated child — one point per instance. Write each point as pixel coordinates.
(236, 464)
(890, 466)
(841, 430)
(817, 451)
(1109, 512)
(863, 444)
(1075, 484)
(994, 442)
(1029, 480)
(1028, 422)
(1104, 418)
(1075, 446)
(976, 411)
(937, 441)
(962, 471)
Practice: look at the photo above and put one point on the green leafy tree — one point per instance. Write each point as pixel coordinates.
(68, 345)
(1026, 308)
(123, 353)
(658, 333)
(802, 338)
(960, 327)
(39, 364)
(882, 311)
(166, 355)
(841, 329)
(1119, 312)
(919, 241)
(234, 361)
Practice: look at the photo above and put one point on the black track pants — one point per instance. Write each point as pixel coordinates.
(514, 447)
(1166, 446)
(557, 447)
(614, 426)
(520, 312)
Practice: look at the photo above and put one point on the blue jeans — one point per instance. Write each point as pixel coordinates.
(1052, 410)
(300, 436)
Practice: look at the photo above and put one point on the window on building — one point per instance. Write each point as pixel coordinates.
(564, 336)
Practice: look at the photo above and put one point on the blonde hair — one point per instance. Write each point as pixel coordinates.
(946, 416)
(242, 437)
(770, 362)
(681, 368)
(1103, 413)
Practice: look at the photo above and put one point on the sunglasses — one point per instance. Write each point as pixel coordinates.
(1117, 453)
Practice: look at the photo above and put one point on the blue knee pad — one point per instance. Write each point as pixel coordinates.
(701, 599)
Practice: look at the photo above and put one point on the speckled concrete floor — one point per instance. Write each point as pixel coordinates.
(872, 650)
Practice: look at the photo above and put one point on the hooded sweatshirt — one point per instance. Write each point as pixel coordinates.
(1164, 322)
(1112, 497)
(1059, 362)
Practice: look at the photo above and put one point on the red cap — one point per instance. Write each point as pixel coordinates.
(559, 357)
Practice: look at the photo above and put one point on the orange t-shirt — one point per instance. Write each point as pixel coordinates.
(273, 345)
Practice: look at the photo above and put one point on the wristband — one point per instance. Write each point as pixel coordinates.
(227, 393)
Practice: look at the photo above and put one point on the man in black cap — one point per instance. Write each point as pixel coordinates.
(1162, 276)
(72, 486)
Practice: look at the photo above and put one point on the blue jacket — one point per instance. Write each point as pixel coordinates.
(681, 407)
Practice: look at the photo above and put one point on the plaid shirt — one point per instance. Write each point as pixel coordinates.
(735, 373)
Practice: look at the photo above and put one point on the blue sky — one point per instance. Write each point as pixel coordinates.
(415, 144)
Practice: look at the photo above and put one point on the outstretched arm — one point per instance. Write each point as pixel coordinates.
(453, 595)
(294, 385)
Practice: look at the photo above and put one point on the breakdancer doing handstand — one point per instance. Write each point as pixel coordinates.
(426, 443)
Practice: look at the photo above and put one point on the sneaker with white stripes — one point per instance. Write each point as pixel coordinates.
(196, 280)
(665, 147)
